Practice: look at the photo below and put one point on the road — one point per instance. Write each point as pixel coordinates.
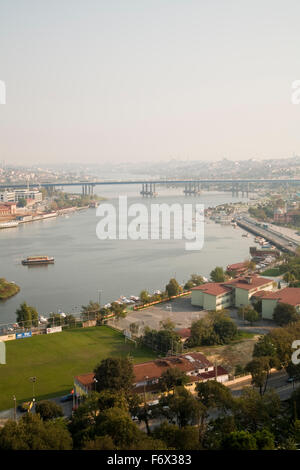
(277, 382)
(9, 414)
(278, 239)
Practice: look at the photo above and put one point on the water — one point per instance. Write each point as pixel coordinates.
(84, 265)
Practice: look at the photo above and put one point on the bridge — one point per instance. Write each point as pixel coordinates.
(191, 186)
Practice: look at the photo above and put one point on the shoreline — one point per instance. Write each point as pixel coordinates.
(13, 289)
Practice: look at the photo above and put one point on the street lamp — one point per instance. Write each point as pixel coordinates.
(15, 407)
(33, 380)
(145, 381)
(95, 382)
(99, 297)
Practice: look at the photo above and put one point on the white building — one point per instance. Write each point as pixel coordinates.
(16, 195)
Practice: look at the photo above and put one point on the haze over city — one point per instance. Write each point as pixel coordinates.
(138, 81)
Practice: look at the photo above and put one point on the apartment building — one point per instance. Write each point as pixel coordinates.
(234, 293)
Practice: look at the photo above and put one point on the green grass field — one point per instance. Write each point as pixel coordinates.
(272, 272)
(56, 358)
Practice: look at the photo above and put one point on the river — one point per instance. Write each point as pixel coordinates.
(84, 264)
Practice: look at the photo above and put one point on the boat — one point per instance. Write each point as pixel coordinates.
(9, 224)
(38, 260)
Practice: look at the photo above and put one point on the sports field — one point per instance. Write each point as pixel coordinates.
(56, 358)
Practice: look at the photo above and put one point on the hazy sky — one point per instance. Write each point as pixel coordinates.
(115, 80)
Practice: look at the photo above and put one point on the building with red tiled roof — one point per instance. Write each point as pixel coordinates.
(147, 374)
(233, 293)
(237, 268)
(288, 295)
(7, 209)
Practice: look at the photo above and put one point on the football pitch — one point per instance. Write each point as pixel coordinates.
(55, 359)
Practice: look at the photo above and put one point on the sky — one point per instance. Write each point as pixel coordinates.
(94, 81)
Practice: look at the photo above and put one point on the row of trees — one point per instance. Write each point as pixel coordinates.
(274, 350)
(103, 420)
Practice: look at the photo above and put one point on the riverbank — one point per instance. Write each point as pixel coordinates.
(116, 267)
(8, 289)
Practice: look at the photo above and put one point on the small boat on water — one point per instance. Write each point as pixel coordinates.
(9, 224)
(38, 260)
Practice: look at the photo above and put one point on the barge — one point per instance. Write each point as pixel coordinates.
(38, 260)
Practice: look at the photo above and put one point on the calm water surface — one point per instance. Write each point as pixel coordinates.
(84, 265)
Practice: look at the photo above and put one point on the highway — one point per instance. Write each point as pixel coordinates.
(150, 181)
(283, 242)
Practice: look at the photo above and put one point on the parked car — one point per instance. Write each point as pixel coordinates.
(66, 398)
(25, 406)
(292, 379)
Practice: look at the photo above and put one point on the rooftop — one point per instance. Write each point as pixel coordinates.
(154, 369)
(237, 266)
(247, 283)
(213, 288)
(288, 295)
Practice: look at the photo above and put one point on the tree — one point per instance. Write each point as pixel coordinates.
(48, 410)
(134, 328)
(27, 316)
(183, 407)
(100, 443)
(90, 311)
(116, 423)
(185, 438)
(259, 369)
(213, 394)
(265, 347)
(239, 440)
(248, 313)
(22, 202)
(250, 265)
(293, 370)
(284, 314)
(114, 374)
(289, 277)
(225, 330)
(253, 411)
(217, 274)
(144, 297)
(118, 310)
(164, 341)
(31, 433)
(173, 288)
(167, 324)
(202, 333)
(195, 280)
(172, 378)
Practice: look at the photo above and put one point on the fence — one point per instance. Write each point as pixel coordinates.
(11, 331)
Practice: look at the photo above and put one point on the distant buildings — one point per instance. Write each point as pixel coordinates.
(282, 216)
(14, 196)
(7, 209)
(234, 293)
